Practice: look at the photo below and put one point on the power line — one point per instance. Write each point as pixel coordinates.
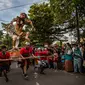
(14, 7)
(3, 20)
(17, 6)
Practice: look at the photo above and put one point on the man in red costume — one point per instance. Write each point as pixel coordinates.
(25, 52)
(41, 61)
(4, 65)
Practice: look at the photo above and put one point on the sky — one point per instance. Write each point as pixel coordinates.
(7, 15)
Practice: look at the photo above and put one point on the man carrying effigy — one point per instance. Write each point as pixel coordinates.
(18, 23)
(4, 63)
(25, 52)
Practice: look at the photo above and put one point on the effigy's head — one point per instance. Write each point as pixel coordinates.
(23, 15)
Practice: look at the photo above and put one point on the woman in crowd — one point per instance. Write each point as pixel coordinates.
(77, 59)
(68, 58)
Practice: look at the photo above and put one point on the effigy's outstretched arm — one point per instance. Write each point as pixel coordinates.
(11, 23)
(29, 21)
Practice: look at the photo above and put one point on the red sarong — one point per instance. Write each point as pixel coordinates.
(68, 66)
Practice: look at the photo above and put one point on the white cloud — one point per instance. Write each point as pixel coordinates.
(5, 3)
(8, 15)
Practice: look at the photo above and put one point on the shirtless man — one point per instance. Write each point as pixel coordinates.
(18, 32)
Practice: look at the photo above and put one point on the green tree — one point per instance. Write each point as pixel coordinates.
(71, 12)
(7, 40)
(62, 10)
(42, 18)
(1, 34)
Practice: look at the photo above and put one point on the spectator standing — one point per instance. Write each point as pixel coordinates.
(77, 59)
(68, 58)
(4, 63)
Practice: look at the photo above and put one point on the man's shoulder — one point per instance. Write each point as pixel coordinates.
(22, 48)
(0, 52)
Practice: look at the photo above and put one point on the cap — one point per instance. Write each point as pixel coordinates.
(27, 43)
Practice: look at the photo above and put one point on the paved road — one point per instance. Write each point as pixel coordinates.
(51, 78)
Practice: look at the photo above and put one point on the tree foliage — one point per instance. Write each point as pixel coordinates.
(62, 10)
(65, 12)
(42, 18)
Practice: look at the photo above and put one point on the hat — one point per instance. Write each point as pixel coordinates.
(27, 43)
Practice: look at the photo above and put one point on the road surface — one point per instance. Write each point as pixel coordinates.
(51, 78)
